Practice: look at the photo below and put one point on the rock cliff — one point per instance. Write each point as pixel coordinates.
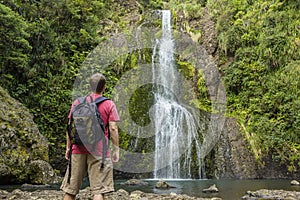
(233, 158)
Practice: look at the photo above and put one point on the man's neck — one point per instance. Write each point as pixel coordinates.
(95, 93)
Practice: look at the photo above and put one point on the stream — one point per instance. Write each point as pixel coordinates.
(229, 189)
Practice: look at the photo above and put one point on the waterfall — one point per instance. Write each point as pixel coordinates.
(162, 122)
(175, 126)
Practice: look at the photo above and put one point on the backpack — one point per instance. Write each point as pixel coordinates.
(86, 126)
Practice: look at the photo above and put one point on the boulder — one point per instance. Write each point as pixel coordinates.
(21, 144)
(161, 184)
(211, 189)
(137, 195)
(134, 182)
(294, 182)
(41, 172)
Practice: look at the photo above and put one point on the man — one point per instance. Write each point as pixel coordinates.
(84, 161)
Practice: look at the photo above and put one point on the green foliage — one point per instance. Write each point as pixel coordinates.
(44, 43)
(277, 115)
(262, 39)
(202, 100)
(140, 103)
(153, 4)
(191, 9)
(14, 47)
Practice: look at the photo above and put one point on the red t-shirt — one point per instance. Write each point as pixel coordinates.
(108, 113)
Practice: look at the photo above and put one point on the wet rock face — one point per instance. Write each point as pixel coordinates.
(208, 28)
(233, 157)
(21, 143)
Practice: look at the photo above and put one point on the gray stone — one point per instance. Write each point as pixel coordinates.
(135, 195)
(294, 182)
(134, 182)
(234, 158)
(211, 189)
(161, 184)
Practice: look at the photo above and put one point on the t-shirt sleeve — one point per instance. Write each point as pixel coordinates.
(113, 115)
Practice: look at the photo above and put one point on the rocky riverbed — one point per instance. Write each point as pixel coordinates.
(264, 194)
(85, 194)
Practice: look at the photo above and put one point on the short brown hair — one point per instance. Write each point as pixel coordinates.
(97, 82)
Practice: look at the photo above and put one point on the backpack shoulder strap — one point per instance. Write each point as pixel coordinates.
(81, 99)
(105, 147)
(100, 100)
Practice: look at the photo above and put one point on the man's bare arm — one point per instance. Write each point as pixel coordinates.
(68, 146)
(113, 128)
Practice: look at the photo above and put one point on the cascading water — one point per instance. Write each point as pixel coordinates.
(175, 126)
(158, 105)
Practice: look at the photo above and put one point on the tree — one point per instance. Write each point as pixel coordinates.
(14, 47)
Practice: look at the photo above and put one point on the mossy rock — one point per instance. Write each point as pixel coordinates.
(40, 172)
(21, 141)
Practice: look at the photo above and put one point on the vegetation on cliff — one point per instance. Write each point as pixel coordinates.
(43, 44)
(259, 49)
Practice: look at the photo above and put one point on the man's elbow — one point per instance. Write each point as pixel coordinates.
(113, 127)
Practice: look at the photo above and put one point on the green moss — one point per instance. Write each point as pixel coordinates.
(190, 73)
(186, 69)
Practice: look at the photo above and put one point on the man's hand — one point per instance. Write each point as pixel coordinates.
(67, 155)
(68, 146)
(115, 156)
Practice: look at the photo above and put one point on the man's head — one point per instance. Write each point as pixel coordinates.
(97, 83)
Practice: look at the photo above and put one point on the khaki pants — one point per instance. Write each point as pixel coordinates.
(101, 181)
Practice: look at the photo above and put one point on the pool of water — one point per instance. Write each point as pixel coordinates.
(228, 189)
